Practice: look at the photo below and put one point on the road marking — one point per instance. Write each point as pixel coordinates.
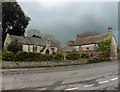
(103, 82)
(114, 79)
(71, 88)
(89, 85)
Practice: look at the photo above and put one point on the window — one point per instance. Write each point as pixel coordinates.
(87, 48)
(52, 49)
(34, 48)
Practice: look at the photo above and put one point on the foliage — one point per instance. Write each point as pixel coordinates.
(8, 56)
(94, 58)
(14, 21)
(14, 46)
(84, 55)
(89, 33)
(25, 56)
(105, 45)
(73, 56)
(58, 57)
(30, 56)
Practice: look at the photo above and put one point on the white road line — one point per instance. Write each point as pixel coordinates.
(89, 85)
(114, 79)
(102, 82)
(71, 88)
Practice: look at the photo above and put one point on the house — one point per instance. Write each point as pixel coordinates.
(32, 44)
(91, 44)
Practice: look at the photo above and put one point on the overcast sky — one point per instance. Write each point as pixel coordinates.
(65, 20)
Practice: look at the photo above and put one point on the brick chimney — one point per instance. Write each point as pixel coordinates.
(78, 37)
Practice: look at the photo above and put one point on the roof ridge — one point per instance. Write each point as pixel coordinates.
(94, 36)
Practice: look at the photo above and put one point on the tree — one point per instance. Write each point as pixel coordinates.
(14, 21)
(14, 46)
(89, 33)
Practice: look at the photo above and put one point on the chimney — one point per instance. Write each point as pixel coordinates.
(78, 37)
(109, 29)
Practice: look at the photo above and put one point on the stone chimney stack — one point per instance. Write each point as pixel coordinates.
(109, 29)
(78, 37)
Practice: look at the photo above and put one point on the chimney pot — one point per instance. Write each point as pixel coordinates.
(78, 37)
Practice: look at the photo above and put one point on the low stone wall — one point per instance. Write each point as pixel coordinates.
(37, 64)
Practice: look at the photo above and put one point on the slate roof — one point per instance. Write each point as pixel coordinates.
(21, 39)
(31, 40)
(68, 48)
(35, 41)
(88, 40)
(53, 44)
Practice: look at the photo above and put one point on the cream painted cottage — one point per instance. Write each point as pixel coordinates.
(32, 44)
(90, 44)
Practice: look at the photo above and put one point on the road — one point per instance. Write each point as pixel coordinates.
(98, 76)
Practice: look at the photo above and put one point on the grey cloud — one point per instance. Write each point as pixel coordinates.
(65, 20)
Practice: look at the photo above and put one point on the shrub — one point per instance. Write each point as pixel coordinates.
(27, 56)
(21, 56)
(58, 57)
(94, 58)
(90, 60)
(47, 57)
(14, 46)
(8, 56)
(84, 55)
(73, 56)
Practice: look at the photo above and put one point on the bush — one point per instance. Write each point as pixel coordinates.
(95, 58)
(14, 46)
(47, 57)
(84, 55)
(58, 57)
(7, 56)
(92, 61)
(21, 56)
(27, 56)
(73, 56)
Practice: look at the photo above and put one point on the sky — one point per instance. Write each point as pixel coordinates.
(65, 20)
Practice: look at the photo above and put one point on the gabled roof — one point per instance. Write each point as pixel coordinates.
(31, 40)
(68, 48)
(35, 41)
(21, 39)
(88, 40)
(53, 44)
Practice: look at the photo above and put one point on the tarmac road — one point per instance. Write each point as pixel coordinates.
(98, 76)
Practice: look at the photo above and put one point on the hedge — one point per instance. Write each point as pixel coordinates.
(8, 56)
(29, 56)
(73, 56)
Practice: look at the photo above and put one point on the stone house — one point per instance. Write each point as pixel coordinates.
(90, 44)
(32, 44)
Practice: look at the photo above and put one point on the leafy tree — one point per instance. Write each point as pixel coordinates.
(14, 21)
(14, 46)
(89, 33)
